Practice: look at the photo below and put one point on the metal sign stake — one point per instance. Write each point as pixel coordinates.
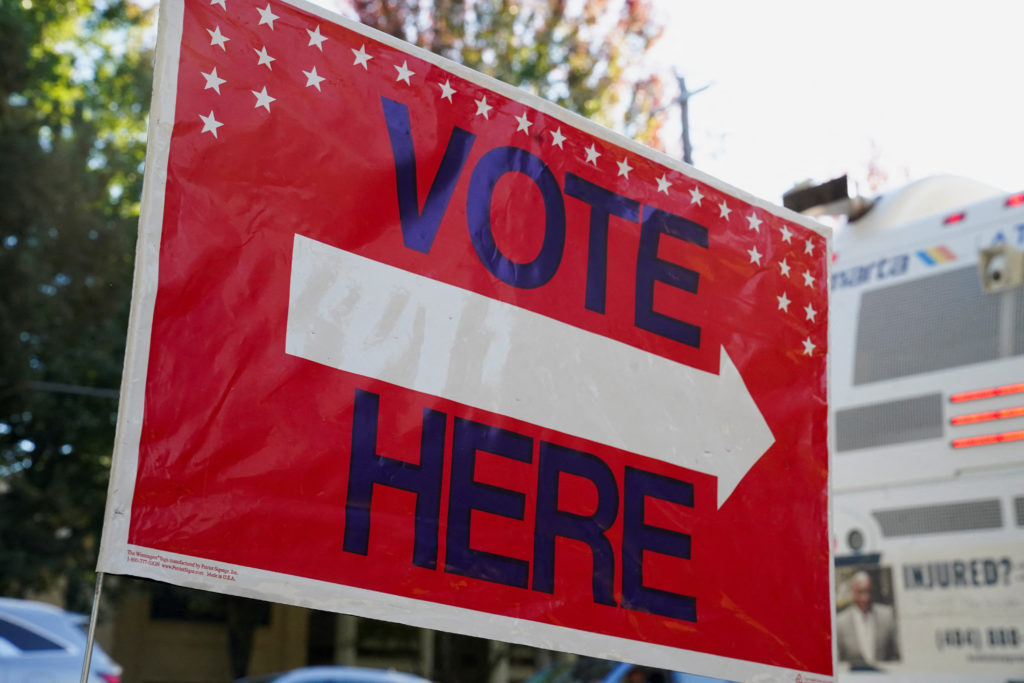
(92, 627)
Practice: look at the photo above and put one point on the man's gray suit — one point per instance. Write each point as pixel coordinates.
(885, 645)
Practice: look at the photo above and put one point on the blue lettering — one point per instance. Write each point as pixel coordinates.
(900, 264)
(637, 537)
(553, 523)
(419, 228)
(651, 269)
(489, 169)
(879, 270)
(603, 204)
(368, 469)
(468, 495)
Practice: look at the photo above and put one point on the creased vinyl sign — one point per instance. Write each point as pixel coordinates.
(413, 344)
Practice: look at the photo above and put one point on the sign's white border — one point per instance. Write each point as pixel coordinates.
(117, 556)
(121, 488)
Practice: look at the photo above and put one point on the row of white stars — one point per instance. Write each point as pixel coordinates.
(784, 267)
(313, 79)
(754, 222)
(404, 74)
(263, 99)
(267, 16)
(523, 122)
(218, 39)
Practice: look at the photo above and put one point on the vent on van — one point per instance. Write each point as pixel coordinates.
(937, 519)
(937, 322)
(1018, 507)
(882, 424)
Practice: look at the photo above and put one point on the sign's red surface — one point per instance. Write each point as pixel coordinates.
(402, 329)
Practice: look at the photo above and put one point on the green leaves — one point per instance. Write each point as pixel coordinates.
(75, 80)
(72, 143)
(586, 56)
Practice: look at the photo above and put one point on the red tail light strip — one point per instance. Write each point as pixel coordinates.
(988, 415)
(989, 439)
(1004, 390)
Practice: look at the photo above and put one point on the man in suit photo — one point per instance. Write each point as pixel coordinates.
(866, 630)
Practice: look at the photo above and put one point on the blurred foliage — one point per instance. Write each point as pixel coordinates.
(75, 81)
(584, 55)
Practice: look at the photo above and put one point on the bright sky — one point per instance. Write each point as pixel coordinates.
(813, 89)
(807, 89)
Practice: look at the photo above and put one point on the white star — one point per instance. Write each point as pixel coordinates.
(808, 247)
(755, 222)
(784, 267)
(755, 256)
(592, 154)
(557, 138)
(267, 17)
(312, 79)
(810, 312)
(524, 123)
(404, 73)
(696, 196)
(265, 58)
(316, 39)
(724, 211)
(213, 80)
(624, 168)
(218, 2)
(663, 184)
(808, 279)
(361, 57)
(210, 124)
(446, 90)
(217, 38)
(808, 346)
(783, 302)
(263, 99)
(482, 108)
(787, 236)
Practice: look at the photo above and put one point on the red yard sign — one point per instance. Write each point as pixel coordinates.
(412, 344)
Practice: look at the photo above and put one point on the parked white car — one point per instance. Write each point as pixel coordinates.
(40, 643)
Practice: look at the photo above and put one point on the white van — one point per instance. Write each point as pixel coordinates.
(927, 377)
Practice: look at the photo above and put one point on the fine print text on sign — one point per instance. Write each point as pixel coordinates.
(412, 344)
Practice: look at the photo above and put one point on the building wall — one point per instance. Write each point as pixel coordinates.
(192, 651)
(163, 634)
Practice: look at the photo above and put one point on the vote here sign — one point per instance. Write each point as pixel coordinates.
(413, 344)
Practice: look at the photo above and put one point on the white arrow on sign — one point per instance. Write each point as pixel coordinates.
(368, 318)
